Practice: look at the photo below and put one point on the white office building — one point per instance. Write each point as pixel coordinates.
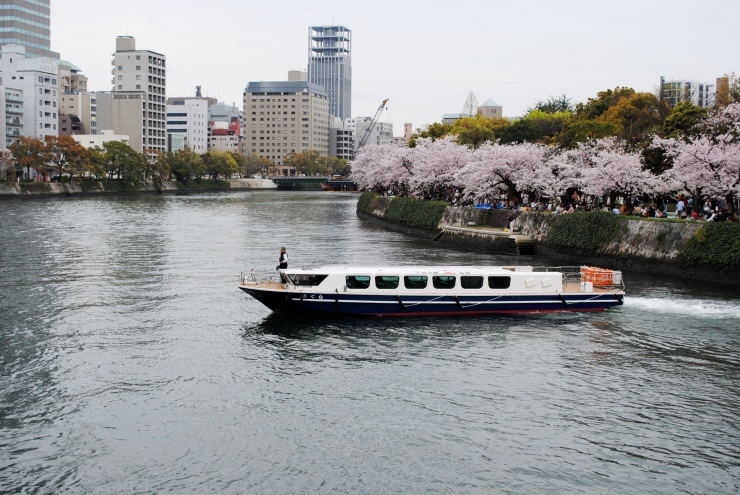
(93, 140)
(11, 120)
(37, 78)
(381, 134)
(699, 93)
(188, 117)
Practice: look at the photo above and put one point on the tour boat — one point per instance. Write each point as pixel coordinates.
(435, 291)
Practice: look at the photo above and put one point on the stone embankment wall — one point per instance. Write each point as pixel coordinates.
(642, 245)
(45, 189)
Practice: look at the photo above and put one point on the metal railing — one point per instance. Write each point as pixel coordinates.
(572, 275)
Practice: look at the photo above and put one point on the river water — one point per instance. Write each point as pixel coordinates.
(131, 363)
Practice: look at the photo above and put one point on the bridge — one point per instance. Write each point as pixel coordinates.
(298, 183)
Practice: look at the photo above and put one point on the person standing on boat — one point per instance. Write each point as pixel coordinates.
(283, 260)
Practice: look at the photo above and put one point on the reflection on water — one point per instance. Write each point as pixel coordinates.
(131, 363)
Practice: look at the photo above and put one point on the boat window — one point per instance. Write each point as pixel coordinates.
(415, 282)
(357, 281)
(443, 282)
(471, 282)
(386, 282)
(305, 279)
(499, 282)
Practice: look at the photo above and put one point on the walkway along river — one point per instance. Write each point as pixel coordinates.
(131, 363)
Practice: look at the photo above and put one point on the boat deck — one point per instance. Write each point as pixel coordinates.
(266, 284)
(576, 287)
(568, 288)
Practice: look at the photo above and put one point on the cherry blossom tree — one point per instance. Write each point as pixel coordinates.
(488, 172)
(607, 169)
(708, 163)
(434, 164)
(384, 168)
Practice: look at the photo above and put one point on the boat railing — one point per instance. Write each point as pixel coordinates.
(575, 275)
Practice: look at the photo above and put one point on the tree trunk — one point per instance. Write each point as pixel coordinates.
(730, 200)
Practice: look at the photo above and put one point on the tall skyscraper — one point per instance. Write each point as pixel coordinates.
(330, 66)
(27, 23)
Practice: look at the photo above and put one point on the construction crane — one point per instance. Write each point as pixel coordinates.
(370, 128)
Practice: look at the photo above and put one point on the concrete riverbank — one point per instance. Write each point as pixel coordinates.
(628, 243)
(93, 188)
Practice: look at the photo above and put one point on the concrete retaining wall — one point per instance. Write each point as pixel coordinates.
(45, 189)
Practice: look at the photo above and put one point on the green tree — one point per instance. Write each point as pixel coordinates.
(30, 153)
(340, 166)
(682, 118)
(636, 117)
(521, 131)
(158, 168)
(309, 163)
(476, 130)
(123, 161)
(554, 104)
(582, 130)
(66, 154)
(98, 162)
(604, 100)
(185, 164)
(7, 167)
(219, 163)
(435, 131)
(255, 164)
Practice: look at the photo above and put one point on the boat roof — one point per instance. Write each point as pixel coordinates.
(406, 270)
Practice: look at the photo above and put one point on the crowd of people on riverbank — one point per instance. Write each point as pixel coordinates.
(712, 209)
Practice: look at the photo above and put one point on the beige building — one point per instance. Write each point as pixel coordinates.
(139, 103)
(77, 114)
(228, 143)
(490, 110)
(283, 117)
(92, 140)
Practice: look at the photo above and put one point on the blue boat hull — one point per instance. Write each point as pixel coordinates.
(417, 305)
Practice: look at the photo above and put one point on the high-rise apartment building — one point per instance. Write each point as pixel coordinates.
(699, 93)
(283, 117)
(36, 78)
(139, 106)
(27, 23)
(11, 115)
(77, 107)
(330, 66)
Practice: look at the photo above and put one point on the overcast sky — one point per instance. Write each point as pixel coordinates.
(425, 56)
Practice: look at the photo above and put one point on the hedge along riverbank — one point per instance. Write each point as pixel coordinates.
(406, 211)
(702, 251)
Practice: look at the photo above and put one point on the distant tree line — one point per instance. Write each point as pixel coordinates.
(65, 158)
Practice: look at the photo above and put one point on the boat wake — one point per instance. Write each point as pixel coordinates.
(722, 309)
